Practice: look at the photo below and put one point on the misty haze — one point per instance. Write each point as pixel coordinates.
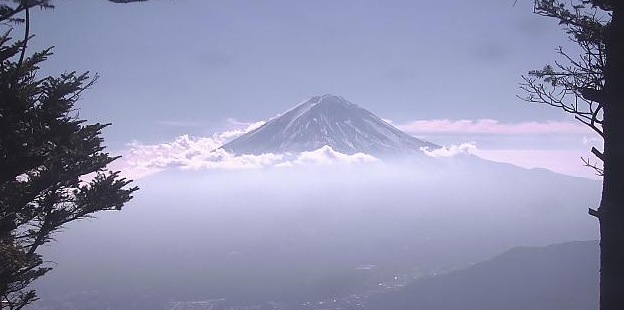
(312, 227)
(304, 155)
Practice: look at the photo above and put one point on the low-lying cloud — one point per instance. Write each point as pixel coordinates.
(451, 150)
(233, 134)
(327, 156)
(195, 153)
(490, 127)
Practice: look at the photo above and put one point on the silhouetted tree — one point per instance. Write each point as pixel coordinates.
(53, 168)
(14, 7)
(591, 87)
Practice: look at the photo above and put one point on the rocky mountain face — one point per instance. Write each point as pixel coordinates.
(328, 120)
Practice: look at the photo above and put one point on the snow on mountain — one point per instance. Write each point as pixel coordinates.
(332, 121)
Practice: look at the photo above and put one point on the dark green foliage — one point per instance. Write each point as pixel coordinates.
(52, 166)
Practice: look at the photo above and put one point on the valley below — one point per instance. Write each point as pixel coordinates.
(326, 206)
(300, 239)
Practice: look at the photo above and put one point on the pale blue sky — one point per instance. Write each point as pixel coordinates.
(173, 67)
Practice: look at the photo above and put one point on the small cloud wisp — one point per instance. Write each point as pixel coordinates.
(451, 150)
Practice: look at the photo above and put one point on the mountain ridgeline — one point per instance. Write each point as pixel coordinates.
(328, 120)
(557, 277)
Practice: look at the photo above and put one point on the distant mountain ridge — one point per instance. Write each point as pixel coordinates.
(328, 120)
(556, 277)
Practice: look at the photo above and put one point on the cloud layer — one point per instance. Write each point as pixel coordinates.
(188, 152)
(490, 127)
(452, 150)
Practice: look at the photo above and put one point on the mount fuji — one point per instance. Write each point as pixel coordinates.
(332, 121)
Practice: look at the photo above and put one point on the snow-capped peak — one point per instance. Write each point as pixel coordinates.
(327, 120)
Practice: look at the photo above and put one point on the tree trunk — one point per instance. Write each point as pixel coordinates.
(611, 211)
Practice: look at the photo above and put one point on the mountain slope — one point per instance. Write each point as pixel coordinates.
(557, 277)
(327, 120)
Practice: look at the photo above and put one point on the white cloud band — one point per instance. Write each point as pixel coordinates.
(490, 127)
(451, 150)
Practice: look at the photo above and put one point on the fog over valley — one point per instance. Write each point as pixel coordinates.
(324, 206)
(298, 234)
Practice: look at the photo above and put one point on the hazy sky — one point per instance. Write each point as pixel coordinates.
(178, 77)
(447, 71)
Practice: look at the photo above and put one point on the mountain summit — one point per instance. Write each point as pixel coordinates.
(327, 120)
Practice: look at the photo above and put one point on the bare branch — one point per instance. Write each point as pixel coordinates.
(598, 154)
(599, 170)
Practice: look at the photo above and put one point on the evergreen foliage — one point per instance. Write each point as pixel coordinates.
(53, 167)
